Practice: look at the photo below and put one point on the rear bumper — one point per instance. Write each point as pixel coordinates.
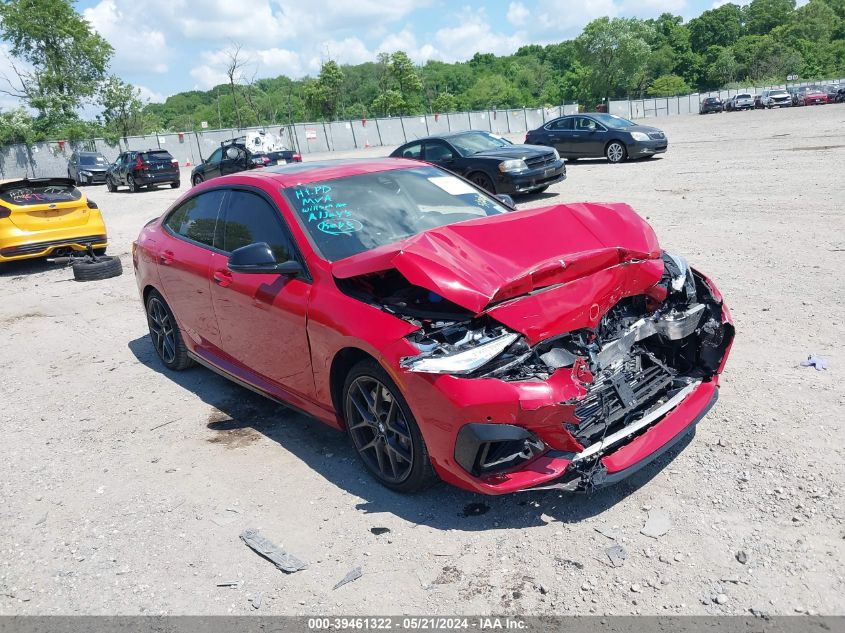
(42, 248)
(150, 178)
(531, 180)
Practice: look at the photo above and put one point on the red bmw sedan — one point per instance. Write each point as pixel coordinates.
(449, 334)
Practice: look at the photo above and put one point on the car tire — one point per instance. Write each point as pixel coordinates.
(87, 269)
(133, 186)
(197, 180)
(165, 334)
(394, 452)
(175, 185)
(110, 185)
(615, 152)
(482, 180)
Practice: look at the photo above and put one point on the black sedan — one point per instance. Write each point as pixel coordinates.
(711, 104)
(87, 168)
(598, 134)
(490, 161)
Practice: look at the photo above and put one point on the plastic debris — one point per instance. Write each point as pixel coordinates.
(378, 531)
(657, 525)
(605, 530)
(819, 362)
(617, 555)
(286, 562)
(256, 600)
(354, 574)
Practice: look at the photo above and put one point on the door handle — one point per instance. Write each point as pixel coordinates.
(222, 277)
(166, 257)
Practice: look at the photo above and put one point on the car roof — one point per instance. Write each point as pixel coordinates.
(313, 171)
(445, 137)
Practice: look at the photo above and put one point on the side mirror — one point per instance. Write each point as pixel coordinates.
(232, 153)
(258, 258)
(506, 200)
(448, 158)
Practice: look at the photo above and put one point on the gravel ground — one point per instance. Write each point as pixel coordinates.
(125, 487)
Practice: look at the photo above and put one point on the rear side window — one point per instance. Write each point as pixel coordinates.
(39, 194)
(249, 219)
(560, 124)
(156, 156)
(196, 219)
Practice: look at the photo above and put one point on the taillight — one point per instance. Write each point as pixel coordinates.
(5, 212)
(526, 139)
(175, 163)
(92, 204)
(297, 158)
(140, 166)
(265, 159)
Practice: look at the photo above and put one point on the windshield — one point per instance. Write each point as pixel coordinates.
(474, 142)
(92, 160)
(25, 195)
(611, 120)
(346, 216)
(746, 96)
(778, 93)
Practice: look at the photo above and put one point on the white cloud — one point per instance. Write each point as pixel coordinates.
(267, 62)
(405, 40)
(647, 8)
(517, 13)
(473, 34)
(563, 19)
(328, 16)
(137, 47)
(150, 95)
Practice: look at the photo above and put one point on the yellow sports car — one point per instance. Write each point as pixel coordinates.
(47, 216)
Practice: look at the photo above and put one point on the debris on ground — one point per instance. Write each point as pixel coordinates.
(354, 574)
(741, 557)
(659, 522)
(475, 509)
(378, 531)
(819, 362)
(721, 599)
(605, 530)
(229, 583)
(256, 600)
(42, 519)
(283, 560)
(617, 555)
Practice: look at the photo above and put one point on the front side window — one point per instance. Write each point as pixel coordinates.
(437, 151)
(583, 123)
(612, 121)
(350, 215)
(215, 156)
(412, 151)
(250, 219)
(196, 219)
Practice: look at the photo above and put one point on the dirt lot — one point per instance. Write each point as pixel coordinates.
(124, 487)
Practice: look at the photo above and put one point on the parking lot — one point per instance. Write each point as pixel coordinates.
(125, 487)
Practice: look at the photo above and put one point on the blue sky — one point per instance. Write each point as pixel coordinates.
(166, 46)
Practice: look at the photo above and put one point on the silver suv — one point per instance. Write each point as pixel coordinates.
(777, 98)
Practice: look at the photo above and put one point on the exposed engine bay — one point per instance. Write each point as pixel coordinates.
(645, 350)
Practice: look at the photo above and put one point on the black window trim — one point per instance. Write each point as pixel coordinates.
(188, 240)
(567, 117)
(456, 153)
(296, 250)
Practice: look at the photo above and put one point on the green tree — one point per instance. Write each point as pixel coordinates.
(122, 107)
(716, 27)
(724, 67)
(16, 126)
(405, 74)
(761, 16)
(323, 96)
(668, 86)
(612, 51)
(444, 102)
(389, 102)
(68, 60)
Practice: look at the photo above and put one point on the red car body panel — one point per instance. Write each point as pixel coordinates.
(281, 336)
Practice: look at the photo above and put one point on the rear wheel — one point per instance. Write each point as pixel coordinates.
(165, 335)
(383, 430)
(615, 152)
(483, 180)
(133, 186)
(175, 185)
(197, 180)
(110, 184)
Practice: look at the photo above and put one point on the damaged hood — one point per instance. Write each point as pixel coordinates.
(480, 262)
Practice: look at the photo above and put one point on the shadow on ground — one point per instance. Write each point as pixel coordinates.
(23, 267)
(330, 454)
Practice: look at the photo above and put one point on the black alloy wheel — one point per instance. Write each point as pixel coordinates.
(197, 180)
(383, 430)
(165, 334)
(482, 180)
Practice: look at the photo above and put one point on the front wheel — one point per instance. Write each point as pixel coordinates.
(110, 184)
(197, 180)
(482, 180)
(383, 430)
(165, 335)
(175, 185)
(615, 152)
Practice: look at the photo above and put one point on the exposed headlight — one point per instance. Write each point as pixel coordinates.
(461, 362)
(516, 164)
(557, 156)
(639, 136)
(85, 173)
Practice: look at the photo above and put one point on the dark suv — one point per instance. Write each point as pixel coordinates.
(711, 104)
(233, 156)
(143, 169)
(87, 168)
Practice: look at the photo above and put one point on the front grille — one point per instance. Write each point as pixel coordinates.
(656, 135)
(630, 389)
(37, 247)
(536, 162)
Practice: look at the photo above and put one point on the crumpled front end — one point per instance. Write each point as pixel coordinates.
(564, 388)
